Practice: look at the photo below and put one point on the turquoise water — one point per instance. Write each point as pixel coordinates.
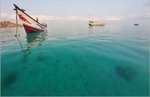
(76, 60)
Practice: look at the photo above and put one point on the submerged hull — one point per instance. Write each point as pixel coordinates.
(30, 25)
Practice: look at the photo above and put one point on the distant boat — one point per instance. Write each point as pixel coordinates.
(30, 25)
(136, 24)
(93, 23)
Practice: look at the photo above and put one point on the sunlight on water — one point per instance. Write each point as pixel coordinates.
(76, 61)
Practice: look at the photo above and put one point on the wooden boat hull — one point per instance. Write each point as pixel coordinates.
(136, 24)
(30, 29)
(30, 25)
(97, 24)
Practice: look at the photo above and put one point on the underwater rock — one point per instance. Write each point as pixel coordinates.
(9, 79)
(58, 61)
(125, 72)
(41, 57)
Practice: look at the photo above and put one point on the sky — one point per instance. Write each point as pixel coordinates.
(106, 11)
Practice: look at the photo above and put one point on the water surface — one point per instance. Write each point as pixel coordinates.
(76, 60)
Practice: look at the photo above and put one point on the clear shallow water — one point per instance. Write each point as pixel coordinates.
(76, 60)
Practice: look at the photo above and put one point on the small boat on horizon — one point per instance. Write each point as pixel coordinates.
(30, 24)
(93, 23)
(136, 24)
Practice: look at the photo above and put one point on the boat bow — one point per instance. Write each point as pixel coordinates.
(29, 23)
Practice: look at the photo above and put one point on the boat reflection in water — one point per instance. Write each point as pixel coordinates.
(34, 40)
(91, 29)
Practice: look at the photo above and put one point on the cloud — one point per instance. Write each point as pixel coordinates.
(4, 15)
(140, 17)
(12, 16)
(113, 18)
(133, 16)
(7, 16)
(67, 18)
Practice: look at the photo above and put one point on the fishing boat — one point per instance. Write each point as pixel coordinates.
(30, 24)
(93, 23)
(136, 24)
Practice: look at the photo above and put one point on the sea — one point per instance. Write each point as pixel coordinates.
(76, 60)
